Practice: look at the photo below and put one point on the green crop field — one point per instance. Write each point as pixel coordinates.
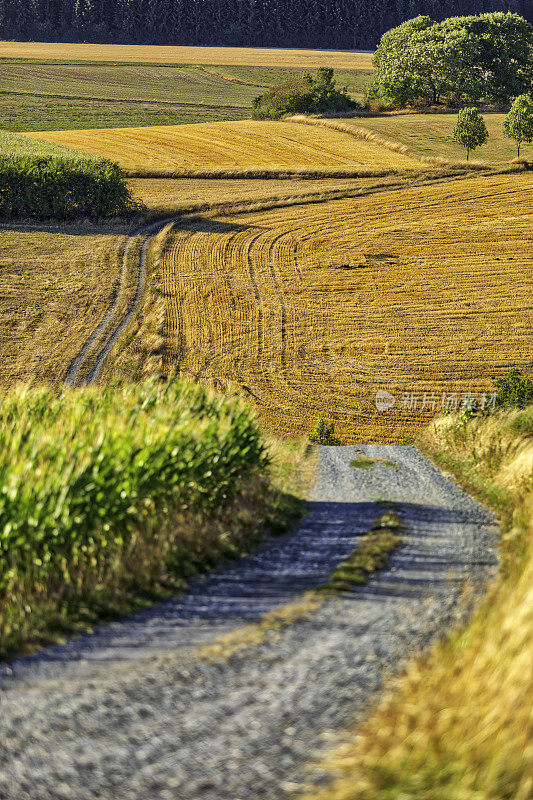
(13, 145)
(47, 95)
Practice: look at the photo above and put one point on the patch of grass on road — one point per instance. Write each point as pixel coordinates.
(371, 555)
(362, 461)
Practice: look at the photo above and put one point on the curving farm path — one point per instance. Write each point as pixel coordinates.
(131, 712)
(108, 330)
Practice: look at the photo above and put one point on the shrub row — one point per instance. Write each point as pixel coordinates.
(84, 473)
(57, 188)
(306, 95)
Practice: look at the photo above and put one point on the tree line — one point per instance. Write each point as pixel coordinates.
(335, 24)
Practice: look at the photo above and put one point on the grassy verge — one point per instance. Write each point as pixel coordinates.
(370, 556)
(388, 144)
(13, 145)
(431, 135)
(132, 492)
(458, 725)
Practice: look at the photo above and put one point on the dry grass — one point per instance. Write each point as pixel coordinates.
(310, 311)
(230, 145)
(55, 285)
(459, 724)
(150, 54)
(430, 135)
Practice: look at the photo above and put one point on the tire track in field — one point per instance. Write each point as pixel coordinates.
(285, 247)
(71, 377)
(257, 294)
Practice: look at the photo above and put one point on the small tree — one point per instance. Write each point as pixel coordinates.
(514, 390)
(518, 124)
(470, 130)
(324, 433)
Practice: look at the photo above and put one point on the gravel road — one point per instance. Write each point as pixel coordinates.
(131, 713)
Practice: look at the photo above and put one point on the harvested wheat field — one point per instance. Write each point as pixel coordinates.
(54, 289)
(230, 145)
(422, 292)
(150, 54)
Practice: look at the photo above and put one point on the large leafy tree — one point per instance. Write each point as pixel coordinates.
(518, 124)
(485, 57)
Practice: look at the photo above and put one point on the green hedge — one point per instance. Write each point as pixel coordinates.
(85, 472)
(56, 188)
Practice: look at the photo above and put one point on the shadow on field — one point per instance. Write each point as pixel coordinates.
(199, 224)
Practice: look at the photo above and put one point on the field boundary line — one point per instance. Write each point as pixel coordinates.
(370, 136)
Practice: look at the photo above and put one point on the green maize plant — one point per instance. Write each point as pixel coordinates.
(85, 473)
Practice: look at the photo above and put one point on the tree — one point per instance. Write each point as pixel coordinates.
(518, 124)
(423, 60)
(470, 130)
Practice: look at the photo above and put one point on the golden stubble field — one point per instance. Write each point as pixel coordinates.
(55, 286)
(422, 293)
(150, 54)
(243, 144)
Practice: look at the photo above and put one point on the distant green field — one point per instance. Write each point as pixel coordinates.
(38, 113)
(13, 145)
(45, 95)
(430, 135)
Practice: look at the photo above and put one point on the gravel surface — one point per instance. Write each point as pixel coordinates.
(130, 712)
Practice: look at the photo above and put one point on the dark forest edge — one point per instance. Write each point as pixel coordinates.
(347, 24)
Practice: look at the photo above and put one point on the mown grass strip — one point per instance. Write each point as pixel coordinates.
(370, 556)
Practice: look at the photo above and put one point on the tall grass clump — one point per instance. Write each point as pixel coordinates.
(103, 490)
(56, 188)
